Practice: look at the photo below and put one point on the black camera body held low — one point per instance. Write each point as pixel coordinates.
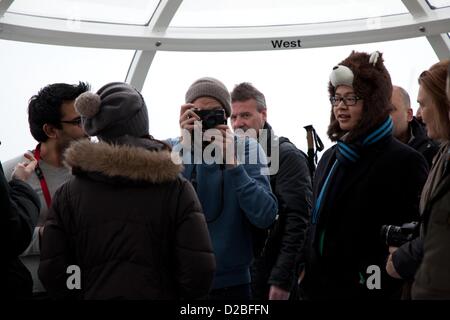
(395, 236)
(211, 118)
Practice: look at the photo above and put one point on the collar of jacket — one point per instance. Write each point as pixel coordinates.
(418, 131)
(150, 162)
(419, 134)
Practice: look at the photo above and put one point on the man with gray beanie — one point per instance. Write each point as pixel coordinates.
(129, 223)
(234, 193)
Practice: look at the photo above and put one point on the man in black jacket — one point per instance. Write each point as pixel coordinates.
(19, 209)
(409, 129)
(274, 270)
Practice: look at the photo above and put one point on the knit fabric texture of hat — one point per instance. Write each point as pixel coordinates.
(116, 110)
(210, 87)
(371, 81)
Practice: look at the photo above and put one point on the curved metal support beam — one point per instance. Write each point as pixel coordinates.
(441, 45)
(100, 35)
(164, 13)
(439, 42)
(4, 5)
(142, 60)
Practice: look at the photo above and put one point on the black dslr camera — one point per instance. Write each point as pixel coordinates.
(211, 118)
(395, 236)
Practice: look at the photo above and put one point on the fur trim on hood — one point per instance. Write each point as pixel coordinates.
(134, 163)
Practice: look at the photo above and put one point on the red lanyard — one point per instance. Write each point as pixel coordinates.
(40, 175)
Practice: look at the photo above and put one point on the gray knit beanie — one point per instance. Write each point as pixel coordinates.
(116, 110)
(210, 87)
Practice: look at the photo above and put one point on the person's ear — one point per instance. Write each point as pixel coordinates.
(50, 130)
(264, 114)
(410, 114)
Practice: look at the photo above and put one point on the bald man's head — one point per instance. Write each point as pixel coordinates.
(402, 113)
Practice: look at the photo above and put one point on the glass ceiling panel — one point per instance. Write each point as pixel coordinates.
(238, 13)
(294, 82)
(27, 67)
(439, 3)
(113, 11)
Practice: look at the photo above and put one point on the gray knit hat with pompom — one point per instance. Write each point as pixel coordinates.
(116, 110)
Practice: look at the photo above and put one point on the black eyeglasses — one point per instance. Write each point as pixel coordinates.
(348, 101)
(74, 122)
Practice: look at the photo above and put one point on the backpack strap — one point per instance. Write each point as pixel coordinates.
(311, 164)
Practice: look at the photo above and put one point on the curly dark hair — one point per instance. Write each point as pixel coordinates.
(45, 107)
(373, 84)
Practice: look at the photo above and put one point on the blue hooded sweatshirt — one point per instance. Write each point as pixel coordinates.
(232, 199)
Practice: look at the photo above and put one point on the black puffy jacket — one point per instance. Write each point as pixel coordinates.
(131, 224)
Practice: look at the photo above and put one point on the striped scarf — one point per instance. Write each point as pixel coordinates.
(347, 154)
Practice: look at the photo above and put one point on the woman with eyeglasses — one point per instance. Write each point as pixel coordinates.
(367, 180)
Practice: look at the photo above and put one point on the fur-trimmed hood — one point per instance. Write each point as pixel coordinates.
(123, 161)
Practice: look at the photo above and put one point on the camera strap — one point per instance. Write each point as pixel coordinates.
(40, 175)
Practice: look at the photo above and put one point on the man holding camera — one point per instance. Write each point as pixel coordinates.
(230, 184)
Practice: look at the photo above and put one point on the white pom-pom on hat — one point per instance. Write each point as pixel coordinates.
(341, 75)
(373, 59)
(87, 104)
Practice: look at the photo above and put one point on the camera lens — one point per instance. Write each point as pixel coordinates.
(209, 122)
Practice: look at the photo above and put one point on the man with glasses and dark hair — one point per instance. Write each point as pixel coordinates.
(54, 124)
